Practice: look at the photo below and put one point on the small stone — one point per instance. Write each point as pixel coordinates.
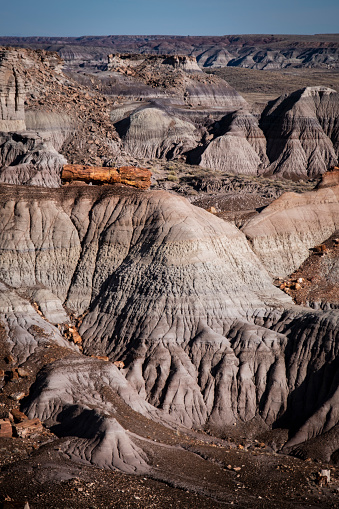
(324, 477)
(9, 359)
(119, 364)
(17, 396)
(23, 373)
(212, 210)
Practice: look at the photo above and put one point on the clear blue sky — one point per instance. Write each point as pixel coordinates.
(176, 17)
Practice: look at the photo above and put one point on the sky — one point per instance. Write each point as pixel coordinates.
(167, 17)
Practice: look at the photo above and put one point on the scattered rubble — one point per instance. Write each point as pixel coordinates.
(70, 332)
(314, 283)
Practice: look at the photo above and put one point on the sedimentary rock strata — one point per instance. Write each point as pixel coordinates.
(283, 232)
(12, 94)
(177, 295)
(127, 302)
(238, 135)
(153, 133)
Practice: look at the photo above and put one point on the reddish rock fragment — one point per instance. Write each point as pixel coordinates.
(5, 428)
(320, 249)
(73, 335)
(17, 415)
(100, 357)
(330, 178)
(119, 364)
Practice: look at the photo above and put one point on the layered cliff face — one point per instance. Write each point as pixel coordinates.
(29, 139)
(12, 93)
(179, 296)
(176, 77)
(126, 62)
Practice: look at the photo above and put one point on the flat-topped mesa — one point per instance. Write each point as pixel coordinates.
(330, 178)
(128, 175)
(121, 61)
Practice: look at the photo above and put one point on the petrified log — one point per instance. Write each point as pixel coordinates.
(128, 175)
(330, 178)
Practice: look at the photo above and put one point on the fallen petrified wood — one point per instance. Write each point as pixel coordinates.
(28, 427)
(128, 175)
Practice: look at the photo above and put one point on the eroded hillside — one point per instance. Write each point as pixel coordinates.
(141, 334)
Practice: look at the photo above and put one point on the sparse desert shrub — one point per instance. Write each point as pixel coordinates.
(172, 178)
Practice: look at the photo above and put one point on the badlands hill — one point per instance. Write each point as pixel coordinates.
(144, 336)
(140, 108)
